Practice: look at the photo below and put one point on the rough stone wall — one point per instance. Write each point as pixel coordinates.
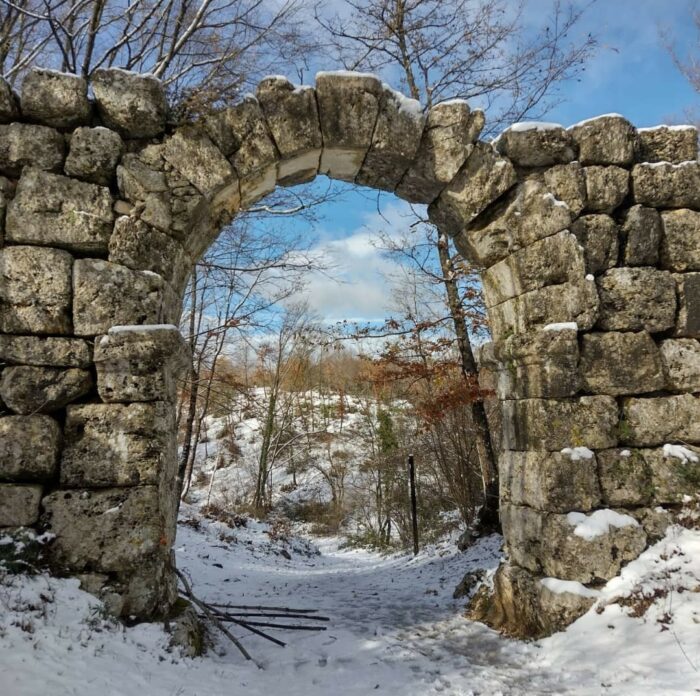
(105, 205)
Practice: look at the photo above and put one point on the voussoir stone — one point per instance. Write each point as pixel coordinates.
(606, 188)
(620, 363)
(568, 183)
(605, 140)
(46, 351)
(681, 360)
(55, 99)
(641, 230)
(534, 144)
(26, 145)
(632, 299)
(598, 235)
(660, 420)
(19, 504)
(35, 290)
(132, 104)
(451, 129)
(94, 154)
(53, 210)
(29, 448)
(664, 185)
(680, 243)
(673, 144)
(9, 111)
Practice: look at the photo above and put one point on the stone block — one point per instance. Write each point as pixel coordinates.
(132, 104)
(118, 445)
(625, 477)
(549, 424)
(598, 235)
(93, 155)
(395, 141)
(194, 155)
(28, 389)
(641, 231)
(549, 481)
(137, 364)
(137, 180)
(485, 177)
(571, 302)
(9, 110)
(55, 99)
(620, 363)
(681, 361)
(538, 364)
(688, 289)
(673, 477)
(25, 145)
(47, 351)
(634, 299)
(19, 505)
(29, 448)
(680, 243)
(607, 139)
(536, 144)
(449, 135)
(606, 188)
(53, 210)
(660, 420)
(299, 169)
(664, 185)
(117, 529)
(526, 214)
(673, 144)
(107, 294)
(568, 183)
(35, 290)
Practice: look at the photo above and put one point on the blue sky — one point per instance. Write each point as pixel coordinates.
(631, 74)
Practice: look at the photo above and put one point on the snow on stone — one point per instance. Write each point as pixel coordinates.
(595, 118)
(456, 100)
(667, 127)
(625, 453)
(590, 277)
(411, 107)
(524, 126)
(589, 527)
(576, 454)
(680, 452)
(142, 327)
(345, 73)
(561, 326)
(568, 586)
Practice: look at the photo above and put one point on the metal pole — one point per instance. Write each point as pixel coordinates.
(414, 505)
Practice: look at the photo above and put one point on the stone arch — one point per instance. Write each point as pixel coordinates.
(589, 239)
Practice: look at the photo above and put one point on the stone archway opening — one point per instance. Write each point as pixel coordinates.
(589, 238)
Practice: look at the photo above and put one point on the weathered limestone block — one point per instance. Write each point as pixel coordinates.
(606, 188)
(534, 144)
(660, 420)
(348, 107)
(571, 302)
(620, 363)
(139, 246)
(673, 477)
(19, 505)
(44, 351)
(55, 99)
(607, 139)
(673, 144)
(568, 183)
(118, 445)
(598, 235)
(681, 361)
(688, 320)
(9, 111)
(664, 185)
(395, 141)
(107, 294)
(526, 214)
(680, 243)
(485, 177)
(140, 364)
(132, 104)
(548, 424)
(93, 155)
(53, 210)
(196, 157)
(111, 530)
(35, 290)
(29, 447)
(137, 180)
(538, 364)
(449, 135)
(291, 113)
(632, 299)
(552, 260)
(24, 145)
(549, 481)
(625, 477)
(641, 231)
(29, 389)
(655, 520)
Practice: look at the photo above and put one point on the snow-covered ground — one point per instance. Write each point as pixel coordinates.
(394, 628)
